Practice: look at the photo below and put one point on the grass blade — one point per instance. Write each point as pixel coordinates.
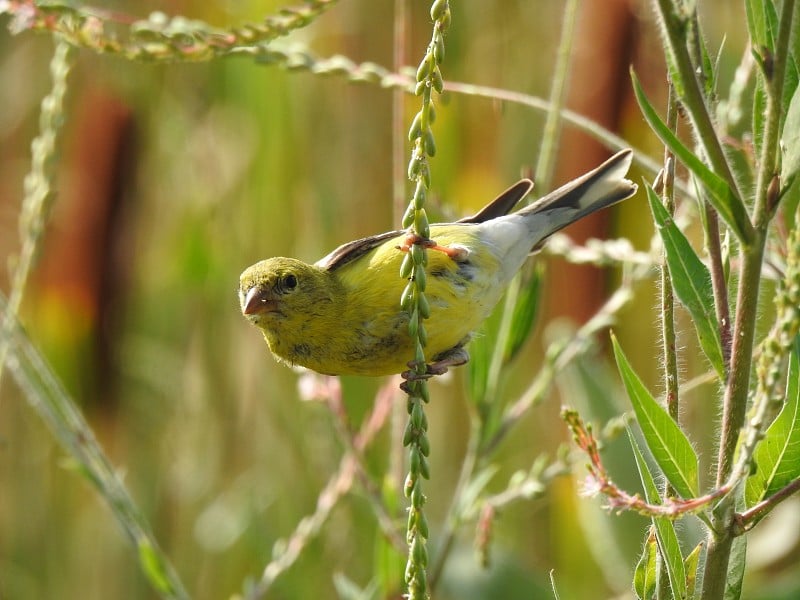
(524, 315)
(47, 396)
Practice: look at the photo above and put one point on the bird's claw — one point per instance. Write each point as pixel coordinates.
(454, 252)
(452, 358)
(412, 376)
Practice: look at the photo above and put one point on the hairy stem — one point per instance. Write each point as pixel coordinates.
(736, 392)
(671, 390)
(693, 99)
(746, 519)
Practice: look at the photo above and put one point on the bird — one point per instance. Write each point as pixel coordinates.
(342, 314)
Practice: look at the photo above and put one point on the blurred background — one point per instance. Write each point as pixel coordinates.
(174, 178)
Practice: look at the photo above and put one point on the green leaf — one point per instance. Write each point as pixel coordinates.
(690, 564)
(668, 444)
(665, 530)
(644, 576)
(790, 140)
(154, 569)
(736, 566)
(709, 71)
(691, 281)
(480, 356)
(762, 22)
(777, 457)
(759, 111)
(727, 204)
(525, 310)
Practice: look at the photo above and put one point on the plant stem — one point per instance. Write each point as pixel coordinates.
(693, 100)
(720, 539)
(550, 133)
(415, 219)
(760, 510)
(667, 297)
(737, 388)
(47, 396)
(718, 283)
(39, 194)
(671, 390)
(711, 221)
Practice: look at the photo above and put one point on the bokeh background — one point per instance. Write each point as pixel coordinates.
(173, 178)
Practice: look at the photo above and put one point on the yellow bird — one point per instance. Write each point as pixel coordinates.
(342, 315)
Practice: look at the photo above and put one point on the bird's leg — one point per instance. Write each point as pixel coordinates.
(455, 252)
(454, 357)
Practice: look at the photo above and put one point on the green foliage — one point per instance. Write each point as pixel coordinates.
(720, 194)
(669, 445)
(777, 458)
(668, 545)
(524, 314)
(691, 281)
(644, 576)
(790, 161)
(248, 490)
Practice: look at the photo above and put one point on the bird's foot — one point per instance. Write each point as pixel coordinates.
(454, 252)
(450, 358)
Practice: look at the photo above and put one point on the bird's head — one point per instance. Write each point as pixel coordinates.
(279, 289)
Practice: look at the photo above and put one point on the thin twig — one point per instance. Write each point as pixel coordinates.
(750, 517)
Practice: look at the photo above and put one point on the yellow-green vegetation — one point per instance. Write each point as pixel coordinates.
(151, 447)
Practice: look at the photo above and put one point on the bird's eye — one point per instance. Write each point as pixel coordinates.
(289, 282)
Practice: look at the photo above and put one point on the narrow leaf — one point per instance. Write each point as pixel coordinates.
(762, 21)
(790, 140)
(691, 281)
(668, 444)
(736, 566)
(154, 568)
(690, 564)
(726, 203)
(665, 530)
(759, 111)
(480, 352)
(524, 313)
(644, 576)
(777, 457)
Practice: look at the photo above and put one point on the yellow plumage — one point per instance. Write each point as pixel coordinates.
(342, 315)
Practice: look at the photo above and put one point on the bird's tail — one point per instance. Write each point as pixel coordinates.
(597, 189)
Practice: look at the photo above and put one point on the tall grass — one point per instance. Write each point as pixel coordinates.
(272, 135)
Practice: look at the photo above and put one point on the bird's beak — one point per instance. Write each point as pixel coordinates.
(257, 301)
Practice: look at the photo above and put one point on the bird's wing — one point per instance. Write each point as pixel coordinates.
(501, 205)
(352, 250)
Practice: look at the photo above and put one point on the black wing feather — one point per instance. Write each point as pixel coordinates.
(502, 205)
